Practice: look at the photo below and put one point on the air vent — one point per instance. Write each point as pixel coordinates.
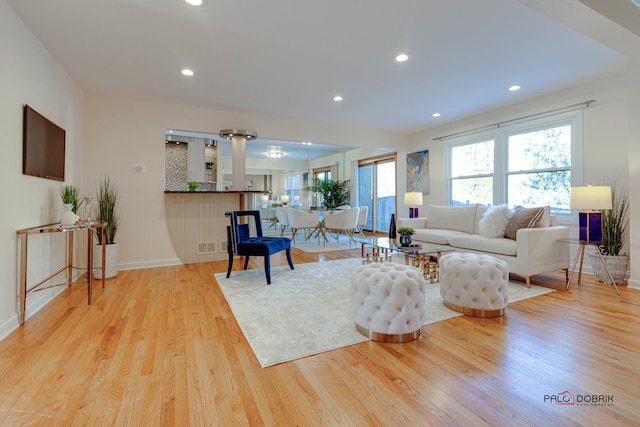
(203, 248)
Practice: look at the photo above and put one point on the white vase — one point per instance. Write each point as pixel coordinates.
(111, 261)
(68, 217)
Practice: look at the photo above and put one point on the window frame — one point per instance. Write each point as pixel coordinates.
(500, 135)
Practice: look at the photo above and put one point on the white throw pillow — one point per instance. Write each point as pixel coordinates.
(494, 221)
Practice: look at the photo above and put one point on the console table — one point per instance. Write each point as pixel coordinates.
(89, 227)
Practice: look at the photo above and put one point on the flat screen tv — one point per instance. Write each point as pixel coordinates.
(43, 144)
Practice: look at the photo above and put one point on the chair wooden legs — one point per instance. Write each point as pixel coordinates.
(289, 258)
(230, 266)
(267, 268)
(246, 261)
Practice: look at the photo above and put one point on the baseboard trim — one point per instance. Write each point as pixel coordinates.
(135, 265)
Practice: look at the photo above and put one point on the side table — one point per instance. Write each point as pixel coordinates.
(580, 254)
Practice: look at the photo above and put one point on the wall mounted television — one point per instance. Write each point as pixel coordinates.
(43, 146)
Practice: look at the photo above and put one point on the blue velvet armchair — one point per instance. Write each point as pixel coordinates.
(239, 242)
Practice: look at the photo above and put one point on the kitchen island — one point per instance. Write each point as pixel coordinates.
(197, 224)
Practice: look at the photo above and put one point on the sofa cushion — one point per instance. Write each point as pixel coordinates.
(522, 218)
(460, 218)
(435, 235)
(476, 242)
(494, 221)
(545, 219)
(480, 210)
(414, 223)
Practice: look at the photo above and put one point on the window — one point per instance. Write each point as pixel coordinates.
(292, 188)
(377, 190)
(530, 164)
(322, 173)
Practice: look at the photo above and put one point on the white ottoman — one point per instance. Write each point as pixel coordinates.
(388, 301)
(474, 284)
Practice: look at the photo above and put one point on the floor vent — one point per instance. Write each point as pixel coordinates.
(205, 248)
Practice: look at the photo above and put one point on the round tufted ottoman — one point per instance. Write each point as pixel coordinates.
(474, 284)
(388, 301)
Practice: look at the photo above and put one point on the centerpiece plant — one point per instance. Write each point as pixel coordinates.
(334, 193)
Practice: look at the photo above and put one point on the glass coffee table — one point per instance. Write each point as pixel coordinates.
(425, 256)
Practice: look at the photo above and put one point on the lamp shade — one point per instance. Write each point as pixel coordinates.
(413, 199)
(284, 198)
(590, 197)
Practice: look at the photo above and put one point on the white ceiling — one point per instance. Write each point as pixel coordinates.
(290, 57)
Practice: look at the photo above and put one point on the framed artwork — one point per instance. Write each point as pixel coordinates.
(418, 172)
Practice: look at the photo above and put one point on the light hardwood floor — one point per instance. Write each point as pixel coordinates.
(160, 346)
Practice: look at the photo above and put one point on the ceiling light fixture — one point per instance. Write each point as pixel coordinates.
(514, 88)
(274, 152)
(402, 57)
(195, 2)
(337, 98)
(187, 72)
(435, 115)
(306, 143)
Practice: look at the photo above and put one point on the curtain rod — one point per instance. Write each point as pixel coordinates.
(584, 104)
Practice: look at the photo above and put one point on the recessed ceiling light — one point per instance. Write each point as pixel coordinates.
(194, 2)
(337, 98)
(187, 72)
(514, 88)
(402, 57)
(435, 115)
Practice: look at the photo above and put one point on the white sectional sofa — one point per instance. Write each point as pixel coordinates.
(531, 248)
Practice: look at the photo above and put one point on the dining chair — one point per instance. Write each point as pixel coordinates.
(240, 242)
(301, 220)
(283, 219)
(362, 220)
(344, 221)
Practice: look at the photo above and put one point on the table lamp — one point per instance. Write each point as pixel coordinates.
(590, 198)
(413, 199)
(284, 199)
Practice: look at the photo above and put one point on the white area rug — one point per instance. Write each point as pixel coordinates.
(308, 311)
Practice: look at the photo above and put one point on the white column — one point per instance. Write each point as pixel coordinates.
(239, 138)
(238, 146)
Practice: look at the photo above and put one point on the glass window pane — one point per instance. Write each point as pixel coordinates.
(541, 189)
(541, 149)
(385, 194)
(468, 191)
(472, 159)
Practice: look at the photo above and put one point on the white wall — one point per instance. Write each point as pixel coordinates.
(30, 75)
(122, 132)
(609, 151)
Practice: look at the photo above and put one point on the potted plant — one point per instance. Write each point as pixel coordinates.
(405, 235)
(615, 233)
(69, 196)
(107, 212)
(334, 193)
(193, 186)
